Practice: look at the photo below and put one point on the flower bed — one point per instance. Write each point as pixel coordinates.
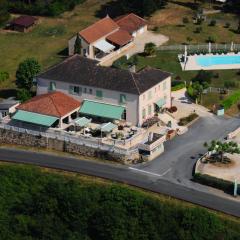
(186, 120)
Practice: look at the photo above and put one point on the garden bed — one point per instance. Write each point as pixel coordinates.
(188, 120)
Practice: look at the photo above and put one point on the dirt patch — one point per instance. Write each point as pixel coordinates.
(172, 15)
(224, 165)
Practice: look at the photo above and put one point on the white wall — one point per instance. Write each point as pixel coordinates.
(157, 93)
(71, 44)
(111, 97)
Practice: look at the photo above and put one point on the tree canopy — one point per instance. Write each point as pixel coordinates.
(39, 205)
(4, 14)
(26, 71)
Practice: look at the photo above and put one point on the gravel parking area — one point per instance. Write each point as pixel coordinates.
(147, 37)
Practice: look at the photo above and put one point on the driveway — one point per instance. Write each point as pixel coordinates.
(141, 40)
(177, 162)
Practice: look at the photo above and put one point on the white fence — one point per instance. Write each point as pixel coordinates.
(201, 47)
(79, 140)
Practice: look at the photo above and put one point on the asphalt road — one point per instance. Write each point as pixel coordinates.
(126, 175)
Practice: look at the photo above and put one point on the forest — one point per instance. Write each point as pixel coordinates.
(41, 204)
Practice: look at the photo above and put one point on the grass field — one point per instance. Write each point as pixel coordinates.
(50, 38)
(169, 22)
(45, 41)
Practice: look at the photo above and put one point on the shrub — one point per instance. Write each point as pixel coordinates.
(185, 20)
(211, 39)
(230, 84)
(185, 120)
(227, 25)
(119, 63)
(172, 109)
(177, 85)
(203, 76)
(198, 30)
(212, 23)
(231, 100)
(4, 76)
(150, 49)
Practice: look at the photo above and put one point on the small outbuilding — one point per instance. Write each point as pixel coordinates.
(23, 23)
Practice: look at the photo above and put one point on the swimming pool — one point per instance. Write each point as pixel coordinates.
(207, 61)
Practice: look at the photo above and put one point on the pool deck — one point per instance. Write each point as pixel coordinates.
(193, 65)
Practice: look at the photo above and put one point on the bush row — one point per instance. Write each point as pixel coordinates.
(178, 85)
(185, 120)
(3, 76)
(218, 183)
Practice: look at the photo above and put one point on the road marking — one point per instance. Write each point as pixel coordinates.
(151, 173)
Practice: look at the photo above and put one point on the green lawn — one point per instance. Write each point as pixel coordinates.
(168, 61)
(45, 41)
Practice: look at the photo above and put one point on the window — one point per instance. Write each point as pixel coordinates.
(149, 95)
(52, 86)
(85, 90)
(99, 94)
(155, 89)
(75, 90)
(159, 87)
(164, 85)
(149, 110)
(143, 113)
(122, 99)
(143, 96)
(90, 91)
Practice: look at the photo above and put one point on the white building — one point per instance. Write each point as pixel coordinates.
(109, 92)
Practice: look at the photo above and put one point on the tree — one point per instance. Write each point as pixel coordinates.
(78, 45)
(23, 95)
(26, 71)
(4, 14)
(221, 148)
(150, 49)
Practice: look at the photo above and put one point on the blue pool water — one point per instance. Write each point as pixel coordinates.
(207, 61)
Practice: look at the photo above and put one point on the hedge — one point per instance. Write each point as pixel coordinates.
(231, 100)
(178, 86)
(218, 183)
(3, 76)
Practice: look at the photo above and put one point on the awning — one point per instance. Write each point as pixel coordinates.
(107, 127)
(104, 46)
(161, 102)
(102, 110)
(35, 118)
(82, 122)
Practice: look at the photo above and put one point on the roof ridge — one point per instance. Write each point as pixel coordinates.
(100, 20)
(124, 16)
(134, 80)
(50, 96)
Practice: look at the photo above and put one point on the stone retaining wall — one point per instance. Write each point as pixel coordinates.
(25, 139)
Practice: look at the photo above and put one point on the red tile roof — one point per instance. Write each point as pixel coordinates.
(130, 22)
(120, 37)
(25, 21)
(99, 29)
(55, 104)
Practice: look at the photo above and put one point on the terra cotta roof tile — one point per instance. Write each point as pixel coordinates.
(55, 104)
(120, 37)
(99, 29)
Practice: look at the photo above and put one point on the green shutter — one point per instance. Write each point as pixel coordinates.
(123, 99)
(52, 86)
(71, 89)
(99, 94)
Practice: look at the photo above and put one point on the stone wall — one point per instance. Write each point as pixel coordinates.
(25, 139)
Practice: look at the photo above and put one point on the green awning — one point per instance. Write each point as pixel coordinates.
(107, 127)
(82, 122)
(102, 110)
(35, 118)
(161, 102)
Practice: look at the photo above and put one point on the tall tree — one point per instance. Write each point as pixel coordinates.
(78, 45)
(26, 71)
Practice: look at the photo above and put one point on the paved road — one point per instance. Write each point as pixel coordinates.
(124, 174)
(180, 155)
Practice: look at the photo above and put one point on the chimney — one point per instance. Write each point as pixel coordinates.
(150, 137)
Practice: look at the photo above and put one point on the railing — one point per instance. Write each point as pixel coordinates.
(79, 140)
(196, 47)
